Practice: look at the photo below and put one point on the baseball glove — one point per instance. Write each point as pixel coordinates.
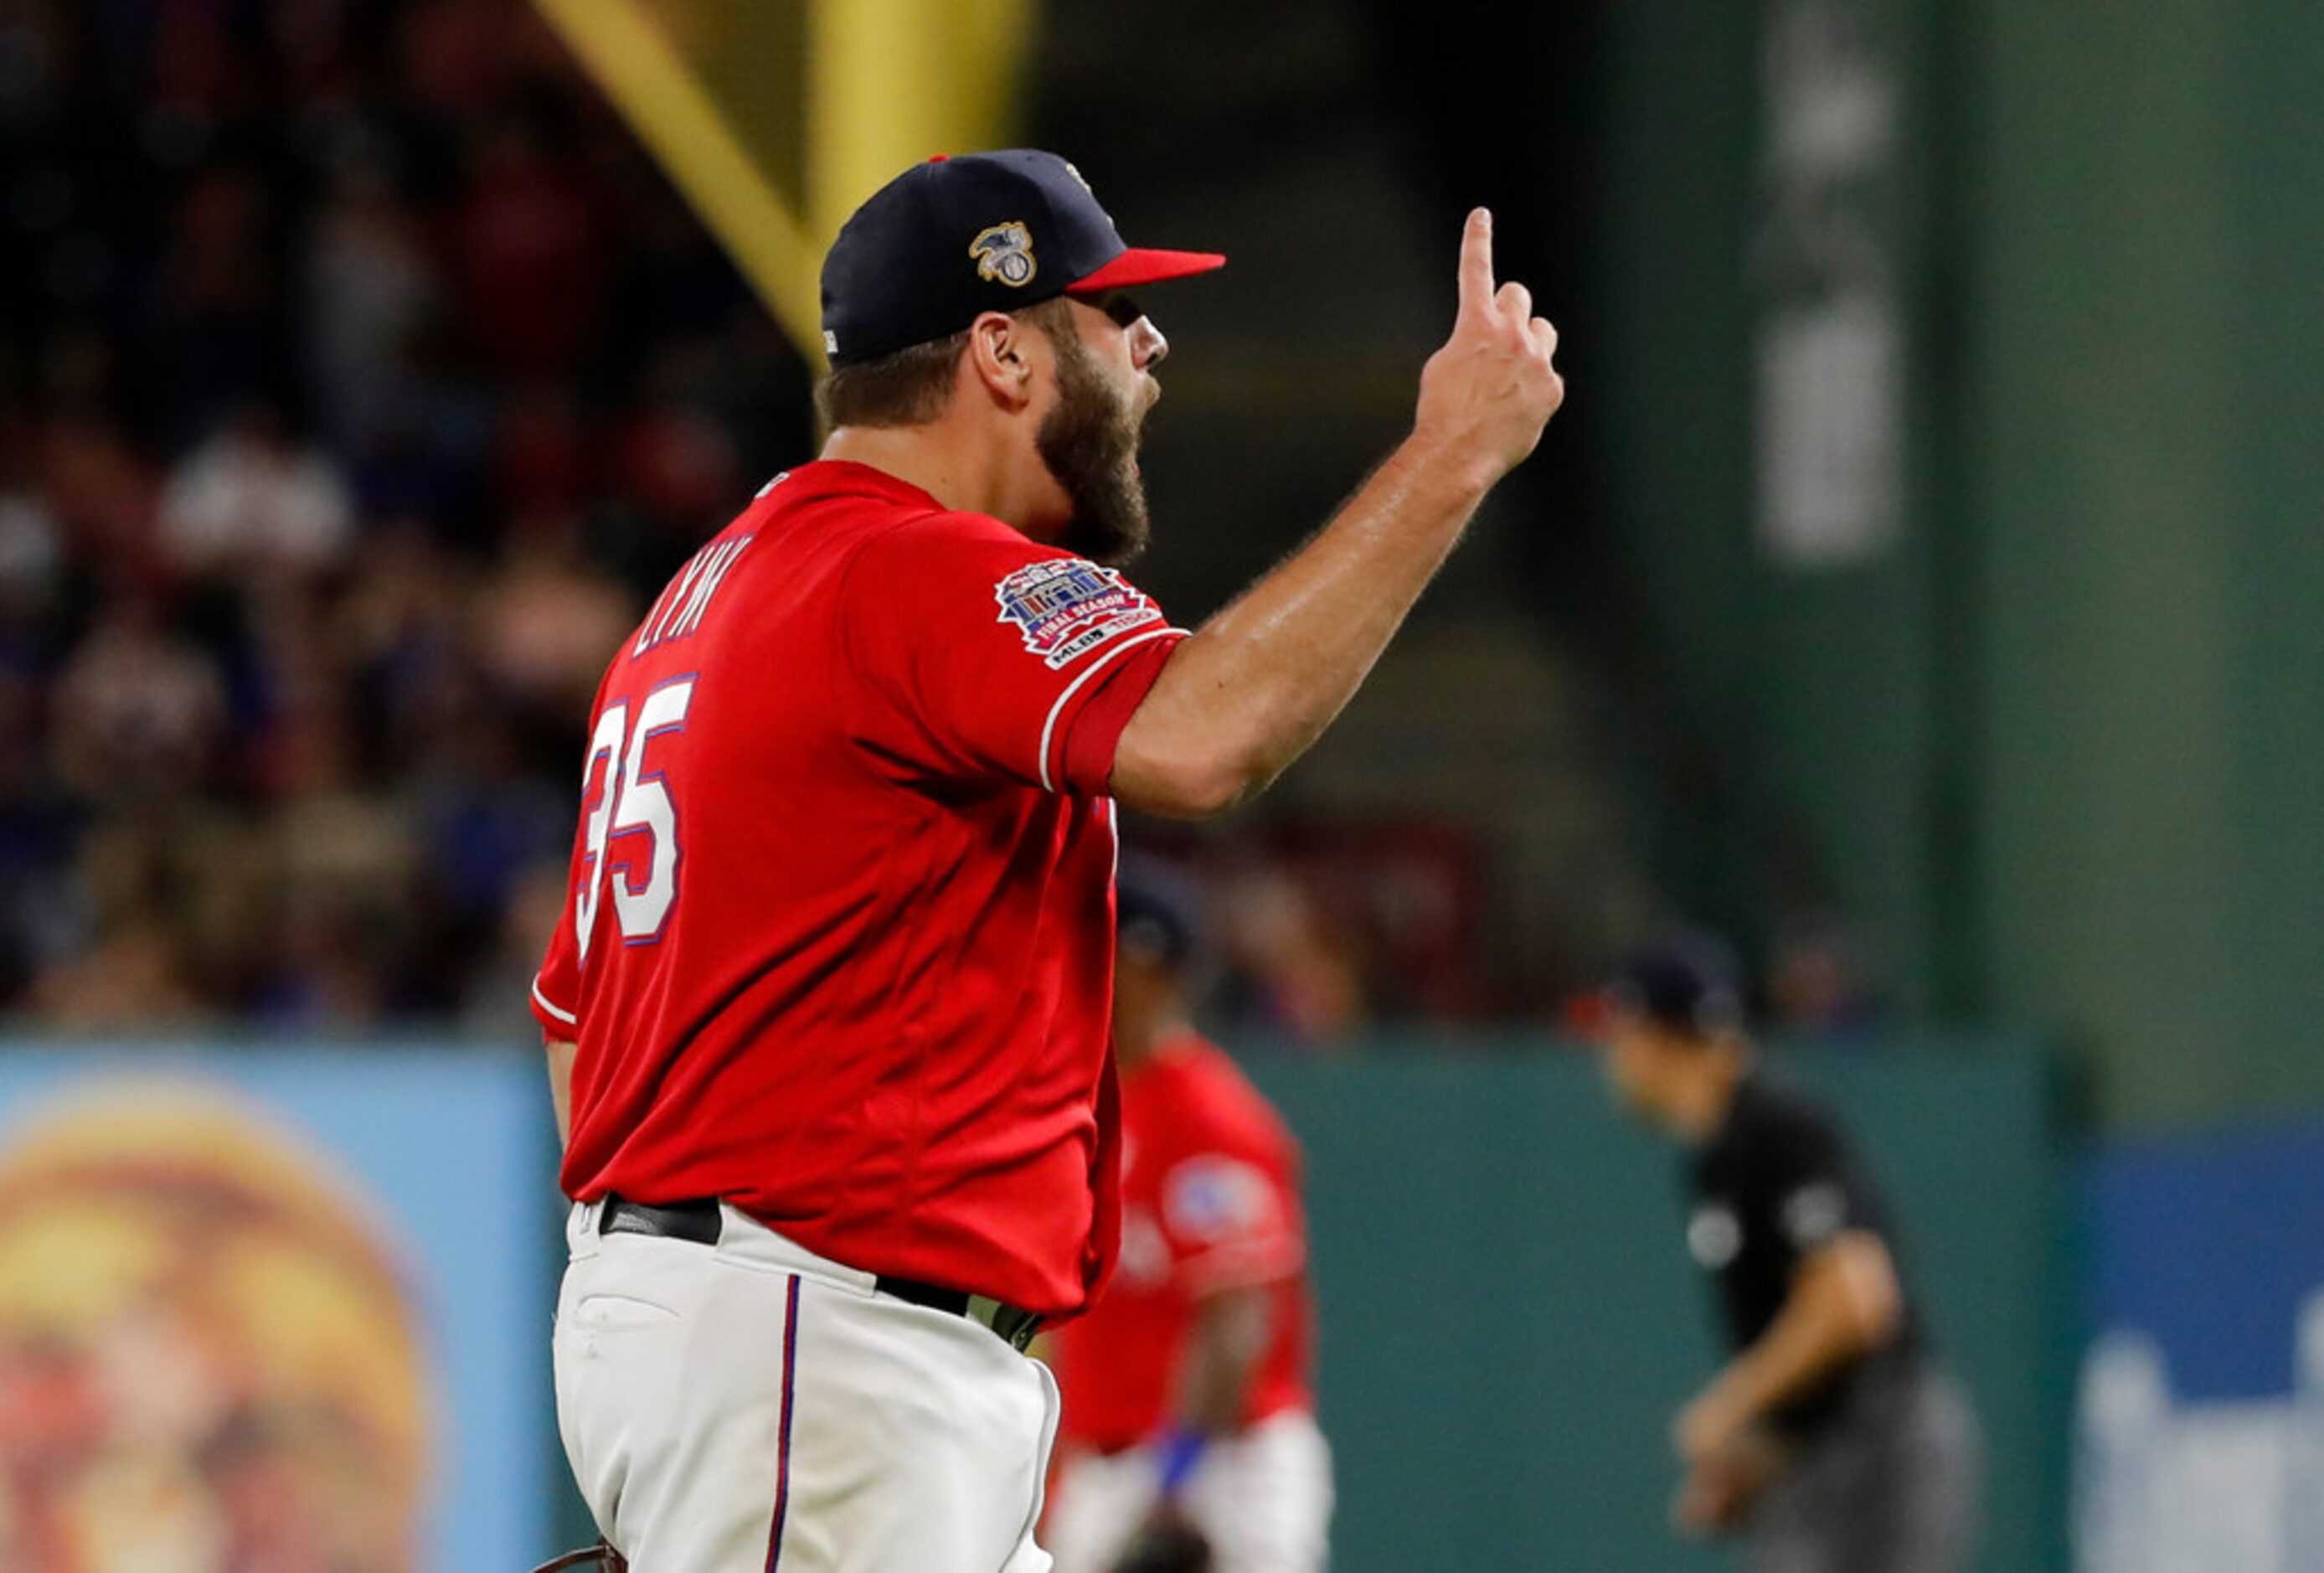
(1166, 1546)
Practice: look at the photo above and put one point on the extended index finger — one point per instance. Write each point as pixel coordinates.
(1477, 263)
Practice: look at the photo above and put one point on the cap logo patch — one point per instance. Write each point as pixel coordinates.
(1004, 253)
(1066, 607)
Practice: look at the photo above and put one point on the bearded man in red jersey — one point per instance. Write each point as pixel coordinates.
(827, 1009)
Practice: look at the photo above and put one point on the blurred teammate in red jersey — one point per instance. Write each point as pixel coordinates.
(827, 1008)
(1189, 1400)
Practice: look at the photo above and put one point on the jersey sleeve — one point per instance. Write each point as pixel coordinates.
(972, 653)
(557, 986)
(1232, 1222)
(1816, 1189)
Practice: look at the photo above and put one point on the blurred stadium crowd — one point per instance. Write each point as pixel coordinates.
(359, 378)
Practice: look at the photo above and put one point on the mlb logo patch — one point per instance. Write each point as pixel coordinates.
(1215, 1198)
(1066, 607)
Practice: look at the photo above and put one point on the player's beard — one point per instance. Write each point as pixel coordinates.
(1089, 441)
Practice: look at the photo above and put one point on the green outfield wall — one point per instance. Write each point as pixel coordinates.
(1510, 1319)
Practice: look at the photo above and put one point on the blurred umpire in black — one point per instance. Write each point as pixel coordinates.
(1832, 1439)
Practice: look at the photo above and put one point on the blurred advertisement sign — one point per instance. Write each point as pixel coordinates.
(1830, 346)
(2200, 1422)
(272, 1311)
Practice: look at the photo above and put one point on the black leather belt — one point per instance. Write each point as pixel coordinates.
(701, 1221)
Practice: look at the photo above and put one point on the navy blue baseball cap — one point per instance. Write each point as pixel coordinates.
(1157, 913)
(1686, 981)
(953, 237)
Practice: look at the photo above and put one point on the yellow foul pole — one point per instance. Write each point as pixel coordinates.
(888, 82)
(896, 80)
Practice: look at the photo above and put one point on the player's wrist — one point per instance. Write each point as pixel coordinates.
(1463, 471)
(1743, 1396)
(1176, 1455)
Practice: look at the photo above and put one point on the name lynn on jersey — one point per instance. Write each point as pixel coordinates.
(681, 609)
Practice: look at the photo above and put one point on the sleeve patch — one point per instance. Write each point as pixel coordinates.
(1065, 606)
(1813, 1215)
(1207, 1200)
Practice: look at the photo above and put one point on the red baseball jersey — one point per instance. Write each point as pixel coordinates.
(1209, 1198)
(838, 944)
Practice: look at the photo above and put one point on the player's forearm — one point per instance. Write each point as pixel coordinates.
(560, 1089)
(1257, 684)
(1244, 697)
(1844, 1305)
(1798, 1353)
(1230, 1336)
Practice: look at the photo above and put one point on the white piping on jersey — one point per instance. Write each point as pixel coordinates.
(1049, 726)
(540, 999)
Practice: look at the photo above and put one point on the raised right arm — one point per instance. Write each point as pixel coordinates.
(1257, 684)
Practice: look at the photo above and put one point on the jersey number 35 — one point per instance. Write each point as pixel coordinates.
(635, 803)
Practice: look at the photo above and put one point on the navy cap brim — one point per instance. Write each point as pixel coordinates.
(1139, 266)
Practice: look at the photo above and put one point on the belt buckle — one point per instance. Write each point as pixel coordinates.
(1017, 1329)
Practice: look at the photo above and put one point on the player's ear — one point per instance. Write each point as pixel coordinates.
(1000, 357)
